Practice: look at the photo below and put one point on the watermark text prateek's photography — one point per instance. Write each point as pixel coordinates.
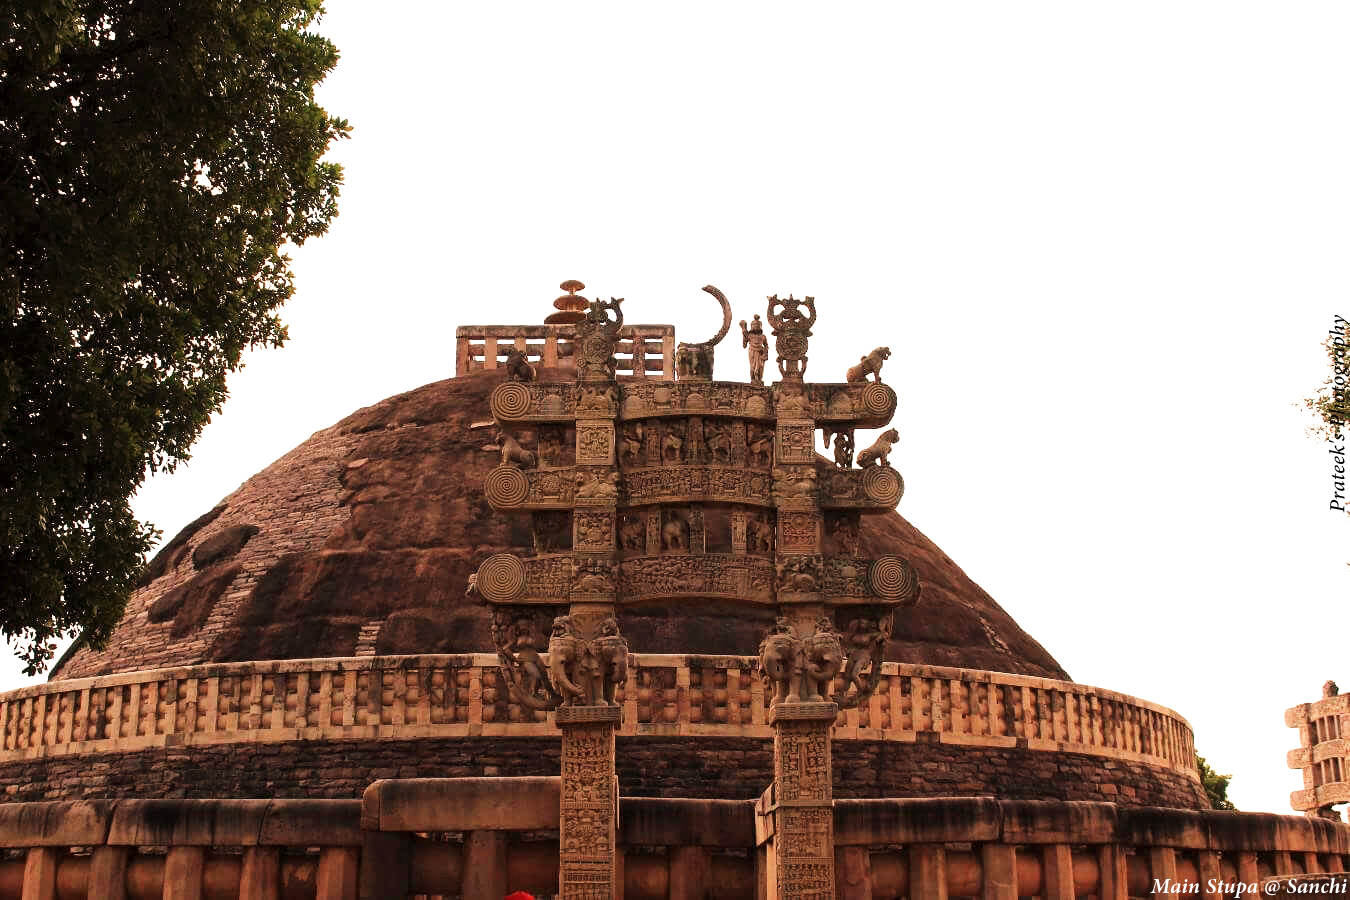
(1335, 407)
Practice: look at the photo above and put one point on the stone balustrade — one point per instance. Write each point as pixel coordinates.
(480, 837)
(464, 695)
(642, 350)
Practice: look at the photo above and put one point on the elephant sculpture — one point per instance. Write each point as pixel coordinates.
(567, 663)
(780, 662)
(611, 653)
(822, 658)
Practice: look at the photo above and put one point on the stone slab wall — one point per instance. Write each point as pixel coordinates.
(725, 768)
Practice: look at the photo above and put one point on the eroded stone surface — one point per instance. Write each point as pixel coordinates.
(382, 518)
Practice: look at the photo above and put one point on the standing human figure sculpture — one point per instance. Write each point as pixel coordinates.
(757, 343)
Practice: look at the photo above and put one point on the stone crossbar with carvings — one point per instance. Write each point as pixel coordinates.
(460, 695)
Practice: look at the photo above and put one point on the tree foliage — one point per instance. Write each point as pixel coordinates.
(1331, 405)
(1216, 785)
(156, 159)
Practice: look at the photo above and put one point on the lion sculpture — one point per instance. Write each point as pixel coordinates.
(878, 453)
(870, 365)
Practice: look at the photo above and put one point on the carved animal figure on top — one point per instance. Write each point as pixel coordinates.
(518, 366)
(878, 453)
(870, 365)
(513, 454)
(695, 361)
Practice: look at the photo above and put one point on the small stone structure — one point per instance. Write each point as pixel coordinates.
(1323, 754)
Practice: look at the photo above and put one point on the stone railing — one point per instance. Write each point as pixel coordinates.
(643, 351)
(445, 696)
(478, 838)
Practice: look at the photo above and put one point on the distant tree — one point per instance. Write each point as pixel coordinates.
(1331, 405)
(155, 161)
(1216, 785)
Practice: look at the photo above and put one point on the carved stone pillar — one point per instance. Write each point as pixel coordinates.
(738, 519)
(589, 802)
(795, 816)
(698, 532)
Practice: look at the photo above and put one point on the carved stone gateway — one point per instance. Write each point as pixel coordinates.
(706, 492)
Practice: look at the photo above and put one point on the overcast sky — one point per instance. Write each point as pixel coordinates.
(1104, 243)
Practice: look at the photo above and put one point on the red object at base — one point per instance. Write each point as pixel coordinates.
(519, 895)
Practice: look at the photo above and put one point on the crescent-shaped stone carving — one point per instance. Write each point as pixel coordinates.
(726, 316)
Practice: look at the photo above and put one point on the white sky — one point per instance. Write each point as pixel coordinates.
(1104, 242)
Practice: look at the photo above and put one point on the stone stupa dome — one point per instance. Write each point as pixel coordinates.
(361, 540)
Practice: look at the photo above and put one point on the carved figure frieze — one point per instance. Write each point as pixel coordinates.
(596, 399)
(717, 398)
(712, 483)
(794, 485)
(595, 444)
(672, 443)
(843, 531)
(876, 487)
(593, 576)
(695, 361)
(759, 444)
(857, 405)
(869, 365)
(757, 348)
(712, 575)
(759, 535)
(593, 485)
(594, 530)
(630, 445)
(798, 574)
(633, 534)
(597, 334)
(864, 643)
(518, 635)
(717, 441)
(843, 446)
(674, 532)
(879, 452)
(846, 576)
(796, 443)
(518, 366)
(585, 671)
(550, 451)
(791, 329)
(515, 401)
